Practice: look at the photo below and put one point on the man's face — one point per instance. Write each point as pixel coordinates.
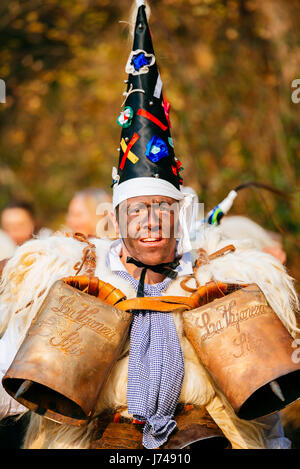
(148, 226)
(18, 224)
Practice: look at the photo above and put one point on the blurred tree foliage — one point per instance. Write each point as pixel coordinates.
(227, 68)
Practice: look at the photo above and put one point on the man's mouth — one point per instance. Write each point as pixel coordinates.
(150, 240)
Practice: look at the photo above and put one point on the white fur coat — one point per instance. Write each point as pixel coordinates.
(37, 264)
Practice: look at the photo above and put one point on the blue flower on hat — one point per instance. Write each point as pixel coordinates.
(156, 149)
(140, 60)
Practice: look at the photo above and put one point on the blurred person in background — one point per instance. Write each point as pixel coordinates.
(18, 221)
(7, 246)
(86, 215)
(7, 249)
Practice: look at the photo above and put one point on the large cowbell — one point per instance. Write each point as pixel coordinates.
(67, 354)
(247, 350)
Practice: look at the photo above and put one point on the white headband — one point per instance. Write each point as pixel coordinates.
(144, 186)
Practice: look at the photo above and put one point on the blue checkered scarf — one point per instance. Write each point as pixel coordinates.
(156, 369)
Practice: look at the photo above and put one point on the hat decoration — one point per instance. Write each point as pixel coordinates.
(139, 62)
(125, 118)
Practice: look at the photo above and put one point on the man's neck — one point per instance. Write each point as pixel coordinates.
(151, 277)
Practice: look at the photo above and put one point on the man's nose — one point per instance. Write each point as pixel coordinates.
(151, 220)
(153, 217)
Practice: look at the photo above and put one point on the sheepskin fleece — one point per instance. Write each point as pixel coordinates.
(37, 264)
(242, 227)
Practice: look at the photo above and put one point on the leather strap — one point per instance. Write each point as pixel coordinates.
(204, 258)
(93, 286)
(106, 292)
(158, 303)
(201, 297)
(88, 261)
(212, 290)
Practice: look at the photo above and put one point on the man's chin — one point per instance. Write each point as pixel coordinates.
(154, 251)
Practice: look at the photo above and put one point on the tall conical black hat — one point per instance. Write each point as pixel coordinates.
(146, 146)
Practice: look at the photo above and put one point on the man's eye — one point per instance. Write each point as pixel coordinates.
(132, 211)
(135, 211)
(165, 208)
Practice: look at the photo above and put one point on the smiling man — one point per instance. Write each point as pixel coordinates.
(158, 374)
